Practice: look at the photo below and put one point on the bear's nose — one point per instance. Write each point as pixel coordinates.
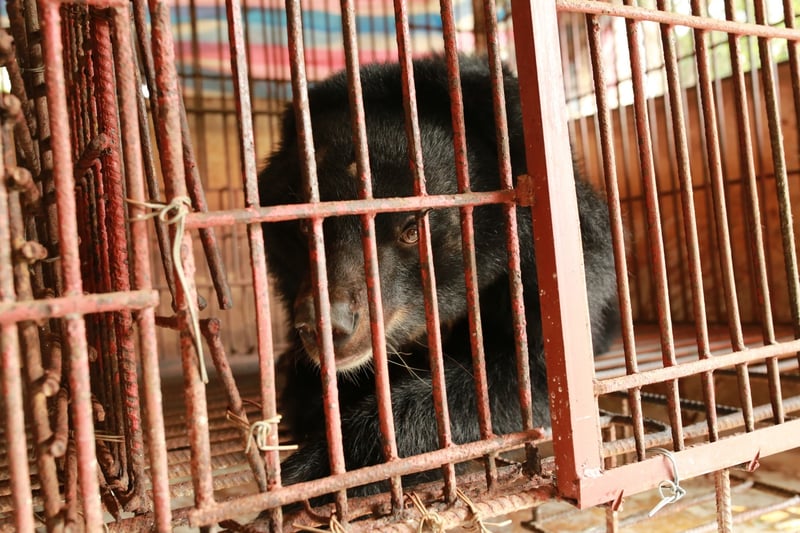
(344, 322)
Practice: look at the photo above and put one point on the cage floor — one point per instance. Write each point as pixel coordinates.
(767, 498)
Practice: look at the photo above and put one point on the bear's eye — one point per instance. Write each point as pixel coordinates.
(410, 234)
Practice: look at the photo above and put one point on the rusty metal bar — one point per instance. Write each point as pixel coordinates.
(75, 327)
(683, 370)
(127, 77)
(146, 58)
(168, 128)
(81, 304)
(370, 474)
(211, 330)
(690, 230)
(794, 58)
(372, 275)
(722, 482)
(720, 217)
(427, 275)
(691, 462)
(657, 253)
(208, 236)
(778, 151)
(748, 172)
(700, 429)
(37, 396)
(118, 251)
(257, 257)
(319, 276)
(618, 231)
(671, 18)
(461, 516)
(562, 284)
(518, 317)
(11, 366)
(279, 213)
(449, 33)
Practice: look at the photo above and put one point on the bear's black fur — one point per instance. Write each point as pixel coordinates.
(281, 182)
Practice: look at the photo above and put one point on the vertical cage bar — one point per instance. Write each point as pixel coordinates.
(689, 226)
(16, 439)
(75, 327)
(319, 276)
(617, 229)
(372, 275)
(752, 214)
(562, 285)
(510, 214)
(779, 162)
(657, 254)
(258, 264)
(793, 48)
(425, 249)
(709, 107)
(784, 199)
(126, 72)
(141, 21)
(37, 378)
(169, 129)
(118, 251)
(467, 232)
(722, 485)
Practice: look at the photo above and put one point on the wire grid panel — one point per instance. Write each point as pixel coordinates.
(661, 95)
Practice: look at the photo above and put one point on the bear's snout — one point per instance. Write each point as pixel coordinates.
(351, 341)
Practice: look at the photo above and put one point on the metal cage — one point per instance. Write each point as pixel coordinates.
(106, 107)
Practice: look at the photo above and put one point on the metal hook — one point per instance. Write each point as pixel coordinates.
(673, 485)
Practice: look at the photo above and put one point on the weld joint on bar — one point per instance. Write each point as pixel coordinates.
(525, 193)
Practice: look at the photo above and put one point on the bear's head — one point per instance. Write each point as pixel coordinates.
(397, 233)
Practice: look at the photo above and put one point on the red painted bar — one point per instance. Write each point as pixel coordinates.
(565, 314)
(258, 265)
(151, 379)
(145, 52)
(319, 276)
(467, 233)
(171, 151)
(75, 328)
(370, 474)
(31, 346)
(372, 275)
(510, 215)
(425, 251)
(83, 304)
(108, 122)
(278, 213)
(691, 462)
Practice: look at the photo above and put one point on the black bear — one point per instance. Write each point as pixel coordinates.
(281, 182)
